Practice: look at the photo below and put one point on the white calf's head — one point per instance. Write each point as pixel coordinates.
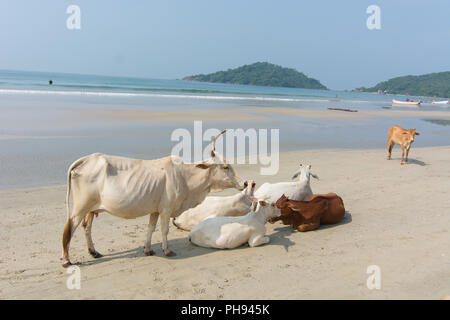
(267, 210)
(249, 190)
(304, 172)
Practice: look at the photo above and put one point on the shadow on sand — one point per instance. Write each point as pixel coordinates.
(347, 219)
(185, 249)
(412, 161)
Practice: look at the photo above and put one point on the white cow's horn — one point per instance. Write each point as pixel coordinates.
(213, 144)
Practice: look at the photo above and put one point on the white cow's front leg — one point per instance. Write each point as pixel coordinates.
(151, 227)
(165, 219)
(258, 240)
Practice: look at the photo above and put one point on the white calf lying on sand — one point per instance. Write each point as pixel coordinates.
(232, 206)
(232, 232)
(298, 190)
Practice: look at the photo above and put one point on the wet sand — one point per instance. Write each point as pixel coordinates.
(42, 134)
(254, 114)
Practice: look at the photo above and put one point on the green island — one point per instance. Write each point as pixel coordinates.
(261, 74)
(431, 85)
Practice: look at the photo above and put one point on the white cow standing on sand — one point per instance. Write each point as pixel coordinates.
(232, 206)
(232, 232)
(132, 188)
(297, 190)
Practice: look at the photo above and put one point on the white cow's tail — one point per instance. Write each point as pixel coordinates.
(69, 182)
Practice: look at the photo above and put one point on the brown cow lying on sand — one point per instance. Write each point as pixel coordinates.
(309, 215)
(403, 137)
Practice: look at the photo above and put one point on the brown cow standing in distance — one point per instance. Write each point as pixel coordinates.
(403, 137)
(309, 215)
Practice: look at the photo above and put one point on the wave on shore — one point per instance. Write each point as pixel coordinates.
(174, 95)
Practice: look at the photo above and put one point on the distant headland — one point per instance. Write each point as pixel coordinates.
(430, 85)
(261, 74)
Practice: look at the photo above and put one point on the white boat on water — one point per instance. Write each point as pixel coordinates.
(406, 103)
(441, 102)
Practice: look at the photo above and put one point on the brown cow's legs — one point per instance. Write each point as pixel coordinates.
(390, 145)
(407, 153)
(313, 225)
(403, 155)
(151, 227)
(87, 226)
(273, 220)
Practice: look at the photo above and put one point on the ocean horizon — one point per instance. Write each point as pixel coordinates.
(37, 82)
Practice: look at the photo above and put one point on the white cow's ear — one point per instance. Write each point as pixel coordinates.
(296, 174)
(202, 166)
(314, 175)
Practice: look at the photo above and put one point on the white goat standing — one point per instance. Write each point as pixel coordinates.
(232, 206)
(298, 190)
(232, 232)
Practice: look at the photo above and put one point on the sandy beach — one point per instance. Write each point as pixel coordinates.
(91, 89)
(397, 218)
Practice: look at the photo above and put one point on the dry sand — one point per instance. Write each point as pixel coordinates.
(398, 218)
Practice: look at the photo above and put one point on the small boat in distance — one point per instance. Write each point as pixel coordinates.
(441, 102)
(406, 103)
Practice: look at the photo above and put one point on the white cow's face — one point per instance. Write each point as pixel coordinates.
(249, 186)
(304, 172)
(224, 176)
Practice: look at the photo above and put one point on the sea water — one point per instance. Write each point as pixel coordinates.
(42, 130)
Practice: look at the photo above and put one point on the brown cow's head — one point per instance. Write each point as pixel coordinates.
(283, 204)
(411, 133)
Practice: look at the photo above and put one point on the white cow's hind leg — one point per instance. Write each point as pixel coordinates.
(165, 219)
(70, 227)
(258, 240)
(151, 227)
(87, 226)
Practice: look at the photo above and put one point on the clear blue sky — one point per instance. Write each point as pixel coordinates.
(167, 39)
